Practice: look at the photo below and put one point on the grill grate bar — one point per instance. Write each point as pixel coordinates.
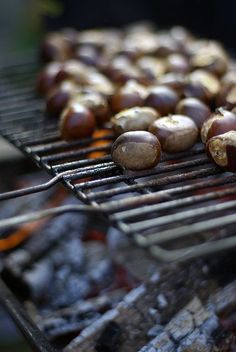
(188, 230)
(160, 196)
(181, 216)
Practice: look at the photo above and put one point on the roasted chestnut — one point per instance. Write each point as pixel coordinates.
(220, 122)
(99, 82)
(72, 70)
(87, 54)
(202, 85)
(229, 78)
(134, 119)
(136, 150)
(227, 96)
(211, 59)
(151, 67)
(131, 94)
(176, 133)
(47, 78)
(173, 80)
(166, 45)
(55, 48)
(163, 99)
(222, 150)
(76, 122)
(60, 96)
(95, 102)
(195, 109)
(177, 63)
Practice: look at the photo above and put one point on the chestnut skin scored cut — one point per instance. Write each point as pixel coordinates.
(136, 150)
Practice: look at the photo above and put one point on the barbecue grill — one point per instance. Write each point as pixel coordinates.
(180, 210)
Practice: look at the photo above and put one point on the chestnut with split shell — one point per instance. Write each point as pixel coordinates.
(133, 119)
(176, 133)
(222, 150)
(220, 122)
(136, 150)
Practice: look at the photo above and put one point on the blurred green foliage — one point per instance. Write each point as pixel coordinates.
(25, 22)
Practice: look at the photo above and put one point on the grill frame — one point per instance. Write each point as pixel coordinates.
(25, 117)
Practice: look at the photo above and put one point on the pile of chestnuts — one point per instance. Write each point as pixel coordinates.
(160, 91)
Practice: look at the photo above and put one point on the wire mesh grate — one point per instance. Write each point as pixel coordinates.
(177, 210)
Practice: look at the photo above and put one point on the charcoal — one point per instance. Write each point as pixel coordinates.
(102, 274)
(195, 342)
(181, 326)
(224, 300)
(155, 330)
(161, 301)
(162, 343)
(68, 288)
(55, 328)
(71, 251)
(109, 338)
(75, 317)
(38, 278)
(190, 330)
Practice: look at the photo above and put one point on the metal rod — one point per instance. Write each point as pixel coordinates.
(33, 335)
(48, 213)
(203, 249)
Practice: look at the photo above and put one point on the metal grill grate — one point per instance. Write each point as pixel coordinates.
(182, 209)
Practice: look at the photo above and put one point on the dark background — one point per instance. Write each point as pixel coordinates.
(210, 18)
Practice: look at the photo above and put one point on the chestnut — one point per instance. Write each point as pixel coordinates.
(173, 80)
(76, 122)
(99, 82)
(134, 119)
(151, 67)
(222, 150)
(202, 85)
(176, 133)
(181, 35)
(60, 96)
(229, 77)
(95, 102)
(227, 96)
(163, 99)
(195, 109)
(136, 150)
(211, 59)
(92, 37)
(55, 48)
(73, 70)
(131, 94)
(46, 79)
(177, 63)
(166, 45)
(220, 122)
(120, 70)
(88, 55)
